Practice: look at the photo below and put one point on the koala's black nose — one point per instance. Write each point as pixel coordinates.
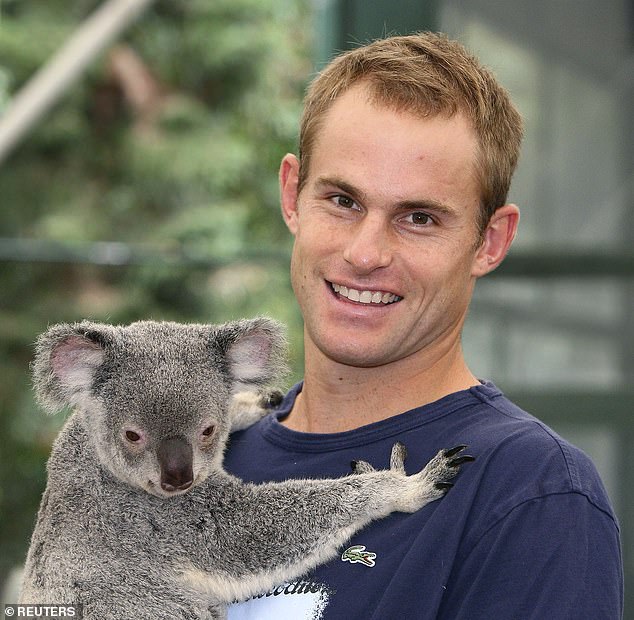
(176, 461)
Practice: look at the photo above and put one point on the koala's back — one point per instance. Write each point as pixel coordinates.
(95, 536)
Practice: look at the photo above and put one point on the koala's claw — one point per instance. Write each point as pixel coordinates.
(467, 458)
(459, 460)
(453, 451)
(444, 467)
(443, 486)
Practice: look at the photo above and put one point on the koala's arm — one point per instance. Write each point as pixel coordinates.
(275, 532)
(246, 408)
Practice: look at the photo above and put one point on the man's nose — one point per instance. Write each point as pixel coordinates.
(368, 246)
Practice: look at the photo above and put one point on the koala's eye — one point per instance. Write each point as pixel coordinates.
(132, 436)
(208, 432)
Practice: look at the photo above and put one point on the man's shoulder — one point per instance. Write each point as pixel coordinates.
(521, 459)
(517, 456)
(511, 434)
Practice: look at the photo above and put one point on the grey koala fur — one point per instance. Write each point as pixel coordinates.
(139, 520)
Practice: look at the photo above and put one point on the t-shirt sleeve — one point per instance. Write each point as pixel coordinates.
(555, 557)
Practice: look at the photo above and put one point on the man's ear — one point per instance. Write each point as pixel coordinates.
(497, 239)
(289, 189)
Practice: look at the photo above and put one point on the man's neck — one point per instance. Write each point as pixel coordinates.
(337, 398)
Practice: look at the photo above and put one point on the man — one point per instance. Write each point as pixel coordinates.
(398, 205)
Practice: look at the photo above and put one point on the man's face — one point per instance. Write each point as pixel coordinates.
(384, 259)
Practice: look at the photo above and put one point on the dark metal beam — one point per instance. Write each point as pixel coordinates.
(565, 263)
(545, 263)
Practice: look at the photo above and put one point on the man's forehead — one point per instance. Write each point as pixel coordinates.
(360, 141)
(364, 92)
(356, 109)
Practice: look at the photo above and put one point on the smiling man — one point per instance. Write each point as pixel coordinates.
(397, 204)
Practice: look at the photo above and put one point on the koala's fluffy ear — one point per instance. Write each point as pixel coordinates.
(255, 351)
(66, 359)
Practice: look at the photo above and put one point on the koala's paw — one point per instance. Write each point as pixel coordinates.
(272, 399)
(397, 462)
(247, 408)
(434, 480)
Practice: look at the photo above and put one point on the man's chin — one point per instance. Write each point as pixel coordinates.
(357, 355)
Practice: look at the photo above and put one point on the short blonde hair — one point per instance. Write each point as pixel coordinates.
(426, 74)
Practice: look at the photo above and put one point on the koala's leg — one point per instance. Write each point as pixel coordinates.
(279, 531)
(131, 594)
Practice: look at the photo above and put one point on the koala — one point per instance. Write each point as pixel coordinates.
(139, 520)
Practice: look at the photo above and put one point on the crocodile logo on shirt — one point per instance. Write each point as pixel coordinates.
(358, 555)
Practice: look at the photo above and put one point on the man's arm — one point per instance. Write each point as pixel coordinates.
(555, 557)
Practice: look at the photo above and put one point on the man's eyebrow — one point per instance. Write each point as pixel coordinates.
(325, 182)
(424, 204)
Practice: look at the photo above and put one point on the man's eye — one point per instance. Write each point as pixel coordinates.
(344, 201)
(420, 219)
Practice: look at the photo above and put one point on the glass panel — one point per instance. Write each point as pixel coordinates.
(555, 333)
(572, 181)
(567, 66)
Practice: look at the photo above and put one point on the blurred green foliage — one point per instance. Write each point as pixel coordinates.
(190, 165)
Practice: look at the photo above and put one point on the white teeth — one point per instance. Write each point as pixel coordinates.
(365, 297)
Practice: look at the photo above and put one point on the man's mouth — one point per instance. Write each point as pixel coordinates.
(365, 297)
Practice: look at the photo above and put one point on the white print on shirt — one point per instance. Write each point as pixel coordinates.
(358, 555)
(300, 600)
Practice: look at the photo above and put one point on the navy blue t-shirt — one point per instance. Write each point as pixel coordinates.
(526, 532)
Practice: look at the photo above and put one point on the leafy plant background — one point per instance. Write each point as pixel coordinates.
(168, 146)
